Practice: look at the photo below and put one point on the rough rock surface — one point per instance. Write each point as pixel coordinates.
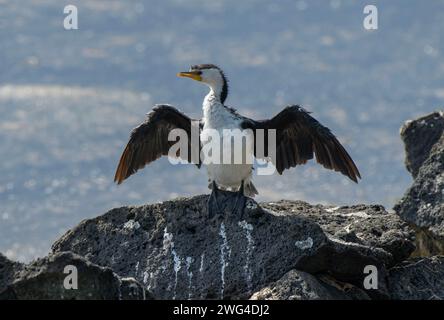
(299, 285)
(8, 270)
(419, 279)
(423, 204)
(178, 252)
(419, 137)
(369, 225)
(44, 279)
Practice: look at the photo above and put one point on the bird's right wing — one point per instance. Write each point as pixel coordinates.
(149, 141)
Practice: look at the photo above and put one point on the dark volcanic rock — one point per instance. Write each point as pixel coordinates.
(419, 279)
(44, 279)
(8, 270)
(419, 136)
(423, 203)
(178, 252)
(299, 285)
(369, 225)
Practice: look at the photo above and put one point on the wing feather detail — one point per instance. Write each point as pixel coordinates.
(300, 137)
(149, 140)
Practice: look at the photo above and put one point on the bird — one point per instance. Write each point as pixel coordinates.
(299, 138)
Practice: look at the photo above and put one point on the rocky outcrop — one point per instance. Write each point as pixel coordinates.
(423, 204)
(419, 137)
(8, 271)
(179, 253)
(45, 279)
(418, 279)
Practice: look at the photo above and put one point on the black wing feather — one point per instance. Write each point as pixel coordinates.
(149, 141)
(299, 137)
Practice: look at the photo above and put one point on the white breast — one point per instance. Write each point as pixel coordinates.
(226, 175)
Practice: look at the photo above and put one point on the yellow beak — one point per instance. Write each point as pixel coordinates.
(191, 74)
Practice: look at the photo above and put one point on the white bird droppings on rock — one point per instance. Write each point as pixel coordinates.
(131, 225)
(251, 205)
(145, 277)
(168, 243)
(137, 267)
(250, 247)
(189, 261)
(167, 239)
(225, 252)
(177, 267)
(331, 209)
(202, 257)
(304, 244)
(359, 214)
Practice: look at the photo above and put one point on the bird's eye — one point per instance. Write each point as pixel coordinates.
(196, 71)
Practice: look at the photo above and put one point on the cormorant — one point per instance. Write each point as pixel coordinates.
(298, 138)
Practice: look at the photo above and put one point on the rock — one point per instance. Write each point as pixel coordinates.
(368, 225)
(131, 289)
(44, 279)
(179, 253)
(423, 204)
(419, 136)
(299, 285)
(8, 270)
(419, 279)
(427, 244)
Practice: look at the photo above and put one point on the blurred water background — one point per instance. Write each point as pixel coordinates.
(68, 99)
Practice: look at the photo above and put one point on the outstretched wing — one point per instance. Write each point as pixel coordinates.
(299, 136)
(149, 141)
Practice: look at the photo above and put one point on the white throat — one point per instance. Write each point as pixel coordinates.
(211, 102)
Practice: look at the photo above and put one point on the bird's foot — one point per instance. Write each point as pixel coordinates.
(239, 206)
(221, 201)
(212, 204)
(241, 200)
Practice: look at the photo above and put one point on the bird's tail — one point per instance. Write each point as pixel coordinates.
(250, 190)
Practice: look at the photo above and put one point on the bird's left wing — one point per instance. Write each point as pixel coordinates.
(299, 137)
(149, 141)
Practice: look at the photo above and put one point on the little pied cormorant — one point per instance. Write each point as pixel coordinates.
(298, 138)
